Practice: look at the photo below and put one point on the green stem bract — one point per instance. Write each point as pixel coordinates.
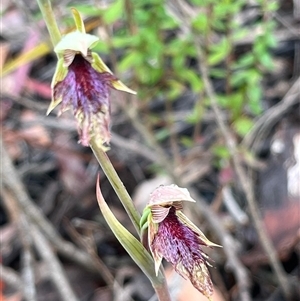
(135, 249)
(117, 184)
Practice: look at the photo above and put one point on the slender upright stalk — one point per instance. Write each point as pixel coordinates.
(47, 12)
(117, 184)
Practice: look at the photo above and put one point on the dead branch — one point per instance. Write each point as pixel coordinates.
(55, 269)
(12, 278)
(28, 233)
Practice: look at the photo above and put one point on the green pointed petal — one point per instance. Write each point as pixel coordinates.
(134, 248)
(54, 103)
(76, 41)
(78, 20)
(120, 86)
(59, 75)
(98, 64)
(192, 226)
(101, 67)
(144, 219)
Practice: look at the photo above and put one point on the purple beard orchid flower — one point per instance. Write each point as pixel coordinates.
(81, 83)
(171, 235)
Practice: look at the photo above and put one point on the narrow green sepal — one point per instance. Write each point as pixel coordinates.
(144, 218)
(59, 75)
(78, 20)
(133, 247)
(192, 226)
(100, 66)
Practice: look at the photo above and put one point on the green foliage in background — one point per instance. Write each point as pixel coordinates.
(160, 57)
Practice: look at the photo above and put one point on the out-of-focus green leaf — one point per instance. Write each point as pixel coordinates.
(187, 141)
(219, 52)
(113, 12)
(33, 54)
(217, 72)
(175, 89)
(200, 23)
(193, 79)
(243, 125)
(221, 152)
(196, 114)
(254, 94)
(89, 10)
(131, 59)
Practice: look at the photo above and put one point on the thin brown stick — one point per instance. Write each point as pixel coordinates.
(162, 157)
(57, 274)
(27, 260)
(267, 120)
(28, 233)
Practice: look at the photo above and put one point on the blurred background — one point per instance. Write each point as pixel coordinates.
(216, 111)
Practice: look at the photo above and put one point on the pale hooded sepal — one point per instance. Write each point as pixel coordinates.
(168, 195)
(78, 42)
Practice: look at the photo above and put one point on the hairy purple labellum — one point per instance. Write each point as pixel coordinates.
(181, 246)
(86, 92)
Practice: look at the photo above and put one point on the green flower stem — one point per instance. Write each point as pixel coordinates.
(162, 292)
(117, 184)
(159, 284)
(49, 18)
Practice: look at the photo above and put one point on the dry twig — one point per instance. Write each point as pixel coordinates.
(27, 261)
(267, 121)
(28, 232)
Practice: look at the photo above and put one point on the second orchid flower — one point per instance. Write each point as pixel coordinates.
(171, 235)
